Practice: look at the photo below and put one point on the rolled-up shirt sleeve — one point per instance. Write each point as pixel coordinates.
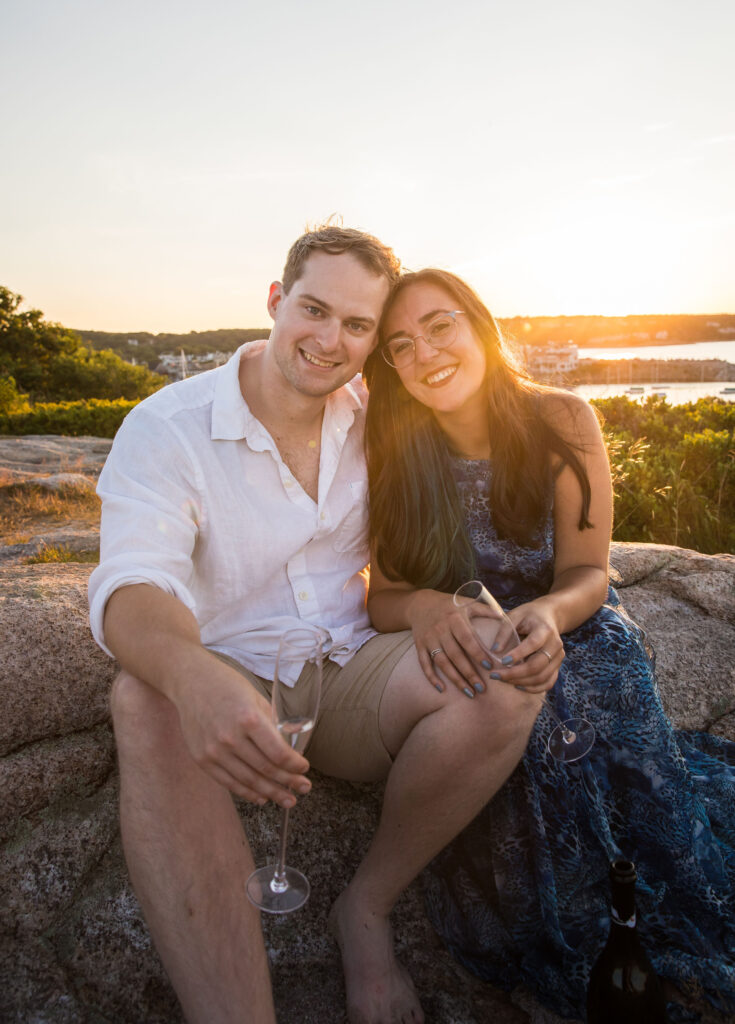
(152, 510)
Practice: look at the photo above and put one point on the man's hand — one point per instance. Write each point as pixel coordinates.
(228, 729)
(225, 722)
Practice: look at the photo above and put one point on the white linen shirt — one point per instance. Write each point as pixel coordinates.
(197, 500)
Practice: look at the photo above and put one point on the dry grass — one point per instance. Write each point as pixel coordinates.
(62, 554)
(27, 510)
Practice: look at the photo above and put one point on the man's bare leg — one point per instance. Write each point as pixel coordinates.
(188, 860)
(453, 754)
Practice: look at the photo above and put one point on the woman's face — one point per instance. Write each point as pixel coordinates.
(448, 380)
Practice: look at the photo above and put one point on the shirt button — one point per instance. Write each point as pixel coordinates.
(303, 596)
(287, 483)
(323, 515)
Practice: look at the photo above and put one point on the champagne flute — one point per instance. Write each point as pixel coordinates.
(569, 740)
(279, 889)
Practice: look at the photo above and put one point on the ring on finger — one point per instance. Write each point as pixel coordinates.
(437, 650)
(542, 650)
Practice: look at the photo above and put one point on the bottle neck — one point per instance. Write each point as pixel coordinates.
(623, 903)
(623, 930)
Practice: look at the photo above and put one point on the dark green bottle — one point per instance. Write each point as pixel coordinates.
(623, 986)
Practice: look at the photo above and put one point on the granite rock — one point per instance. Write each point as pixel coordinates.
(74, 948)
(22, 458)
(53, 679)
(686, 603)
(63, 481)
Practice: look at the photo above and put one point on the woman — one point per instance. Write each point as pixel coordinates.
(477, 472)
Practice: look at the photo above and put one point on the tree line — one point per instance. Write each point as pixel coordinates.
(46, 362)
(150, 347)
(620, 331)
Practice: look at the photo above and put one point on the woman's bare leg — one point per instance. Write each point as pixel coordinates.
(452, 756)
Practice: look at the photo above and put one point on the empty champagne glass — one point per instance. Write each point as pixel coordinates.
(279, 889)
(569, 740)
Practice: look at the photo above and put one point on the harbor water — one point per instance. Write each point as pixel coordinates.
(697, 350)
(675, 393)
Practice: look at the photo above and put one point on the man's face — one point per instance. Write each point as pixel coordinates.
(326, 326)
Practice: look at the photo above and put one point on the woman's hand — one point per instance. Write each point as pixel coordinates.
(446, 644)
(534, 664)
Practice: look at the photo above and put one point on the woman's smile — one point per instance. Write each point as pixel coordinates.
(447, 380)
(441, 376)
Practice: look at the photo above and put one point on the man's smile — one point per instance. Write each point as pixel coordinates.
(316, 361)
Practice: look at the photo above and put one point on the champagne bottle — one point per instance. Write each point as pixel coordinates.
(623, 986)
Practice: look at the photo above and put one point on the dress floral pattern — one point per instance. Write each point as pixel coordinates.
(521, 897)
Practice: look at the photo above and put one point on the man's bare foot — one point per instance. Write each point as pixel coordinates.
(379, 990)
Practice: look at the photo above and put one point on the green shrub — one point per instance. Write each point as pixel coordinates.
(673, 471)
(97, 417)
(12, 400)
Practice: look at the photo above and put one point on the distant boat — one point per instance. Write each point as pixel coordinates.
(727, 391)
(634, 390)
(661, 392)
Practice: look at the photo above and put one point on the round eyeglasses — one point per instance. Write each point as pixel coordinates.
(440, 332)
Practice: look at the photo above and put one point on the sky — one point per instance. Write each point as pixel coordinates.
(158, 158)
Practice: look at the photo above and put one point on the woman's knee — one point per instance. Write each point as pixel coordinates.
(502, 712)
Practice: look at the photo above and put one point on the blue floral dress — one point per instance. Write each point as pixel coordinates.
(521, 897)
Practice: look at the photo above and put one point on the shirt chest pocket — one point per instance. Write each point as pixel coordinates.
(352, 532)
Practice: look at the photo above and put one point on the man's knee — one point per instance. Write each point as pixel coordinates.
(135, 705)
(127, 693)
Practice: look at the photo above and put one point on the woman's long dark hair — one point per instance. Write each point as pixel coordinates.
(416, 519)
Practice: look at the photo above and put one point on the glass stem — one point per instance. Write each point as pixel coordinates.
(569, 736)
(279, 882)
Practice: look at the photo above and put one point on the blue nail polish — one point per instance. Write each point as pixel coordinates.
(486, 664)
(495, 675)
(439, 688)
(468, 692)
(507, 660)
(479, 687)
(495, 646)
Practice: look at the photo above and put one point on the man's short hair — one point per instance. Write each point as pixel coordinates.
(335, 240)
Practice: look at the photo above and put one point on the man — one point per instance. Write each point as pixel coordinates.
(233, 509)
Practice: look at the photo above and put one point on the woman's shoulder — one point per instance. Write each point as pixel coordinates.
(569, 415)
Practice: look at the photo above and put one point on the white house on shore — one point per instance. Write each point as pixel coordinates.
(177, 366)
(551, 360)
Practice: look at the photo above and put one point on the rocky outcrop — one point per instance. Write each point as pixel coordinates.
(39, 455)
(56, 464)
(74, 948)
(686, 603)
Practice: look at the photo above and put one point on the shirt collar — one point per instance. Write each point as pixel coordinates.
(232, 419)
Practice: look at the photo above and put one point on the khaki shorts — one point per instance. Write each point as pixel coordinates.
(346, 741)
